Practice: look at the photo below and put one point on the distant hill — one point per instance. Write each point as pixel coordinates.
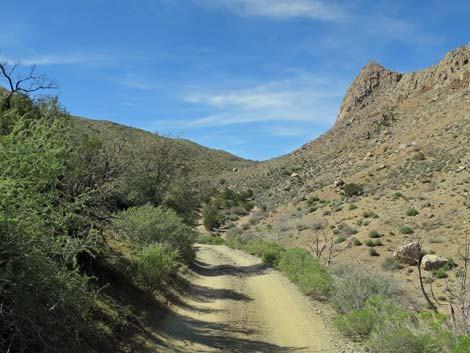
(203, 161)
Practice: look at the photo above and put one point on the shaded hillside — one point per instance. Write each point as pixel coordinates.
(202, 161)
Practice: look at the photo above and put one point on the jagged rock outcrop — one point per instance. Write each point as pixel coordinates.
(371, 79)
(391, 88)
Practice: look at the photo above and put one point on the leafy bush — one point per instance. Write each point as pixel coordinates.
(374, 234)
(45, 301)
(411, 212)
(209, 239)
(306, 272)
(353, 189)
(154, 264)
(373, 252)
(357, 242)
(312, 199)
(147, 225)
(462, 345)
(358, 324)
(340, 239)
(211, 217)
(406, 230)
(370, 214)
(272, 253)
(352, 207)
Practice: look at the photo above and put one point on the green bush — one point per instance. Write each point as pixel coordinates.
(462, 345)
(352, 207)
(353, 189)
(370, 243)
(209, 239)
(340, 239)
(358, 324)
(440, 273)
(370, 214)
(312, 199)
(147, 225)
(411, 212)
(45, 300)
(210, 217)
(404, 335)
(374, 234)
(154, 264)
(357, 242)
(406, 230)
(272, 254)
(373, 252)
(306, 272)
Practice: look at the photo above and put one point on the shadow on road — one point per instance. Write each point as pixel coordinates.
(203, 269)
(216, 336)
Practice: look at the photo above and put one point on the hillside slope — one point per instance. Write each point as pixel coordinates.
(406, 139)
(202, 161)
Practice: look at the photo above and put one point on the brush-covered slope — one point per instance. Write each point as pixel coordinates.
(406, 139)
(202, 161)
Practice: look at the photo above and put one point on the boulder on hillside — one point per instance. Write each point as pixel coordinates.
(339, 183)
(433, 262)
(408, 253)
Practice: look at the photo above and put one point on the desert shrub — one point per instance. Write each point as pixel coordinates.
(374, 234)
(403, 333)
(462, 345)
(340, 239)
(378, 242)
(419, 156)
(390, 264)
(358, 324)
(154, 264)
(411, 212)
(211, 217)
(312, 199)
(440, 273)
(370, 243)
(352, 207)
(357, 242)
(306, 272)
(147, 225)
(370, 214)
(239, 211)
(353, 189)
(209, 239)
(272, 253)
(354, 286)
(406, 230)
(45, 301)
(233, 239)
(373, 252)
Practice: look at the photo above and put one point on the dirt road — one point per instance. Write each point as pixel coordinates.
(237, 304)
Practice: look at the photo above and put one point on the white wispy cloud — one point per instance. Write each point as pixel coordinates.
(302, 98)
(62, 59)
(280, 9)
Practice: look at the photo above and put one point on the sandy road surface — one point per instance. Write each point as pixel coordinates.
(236, 304)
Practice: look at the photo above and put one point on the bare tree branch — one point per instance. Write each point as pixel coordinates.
(23, 83)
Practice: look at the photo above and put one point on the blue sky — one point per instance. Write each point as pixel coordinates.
(257, 78)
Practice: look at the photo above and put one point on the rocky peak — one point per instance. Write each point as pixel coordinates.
(372, 78)
(378, 88)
